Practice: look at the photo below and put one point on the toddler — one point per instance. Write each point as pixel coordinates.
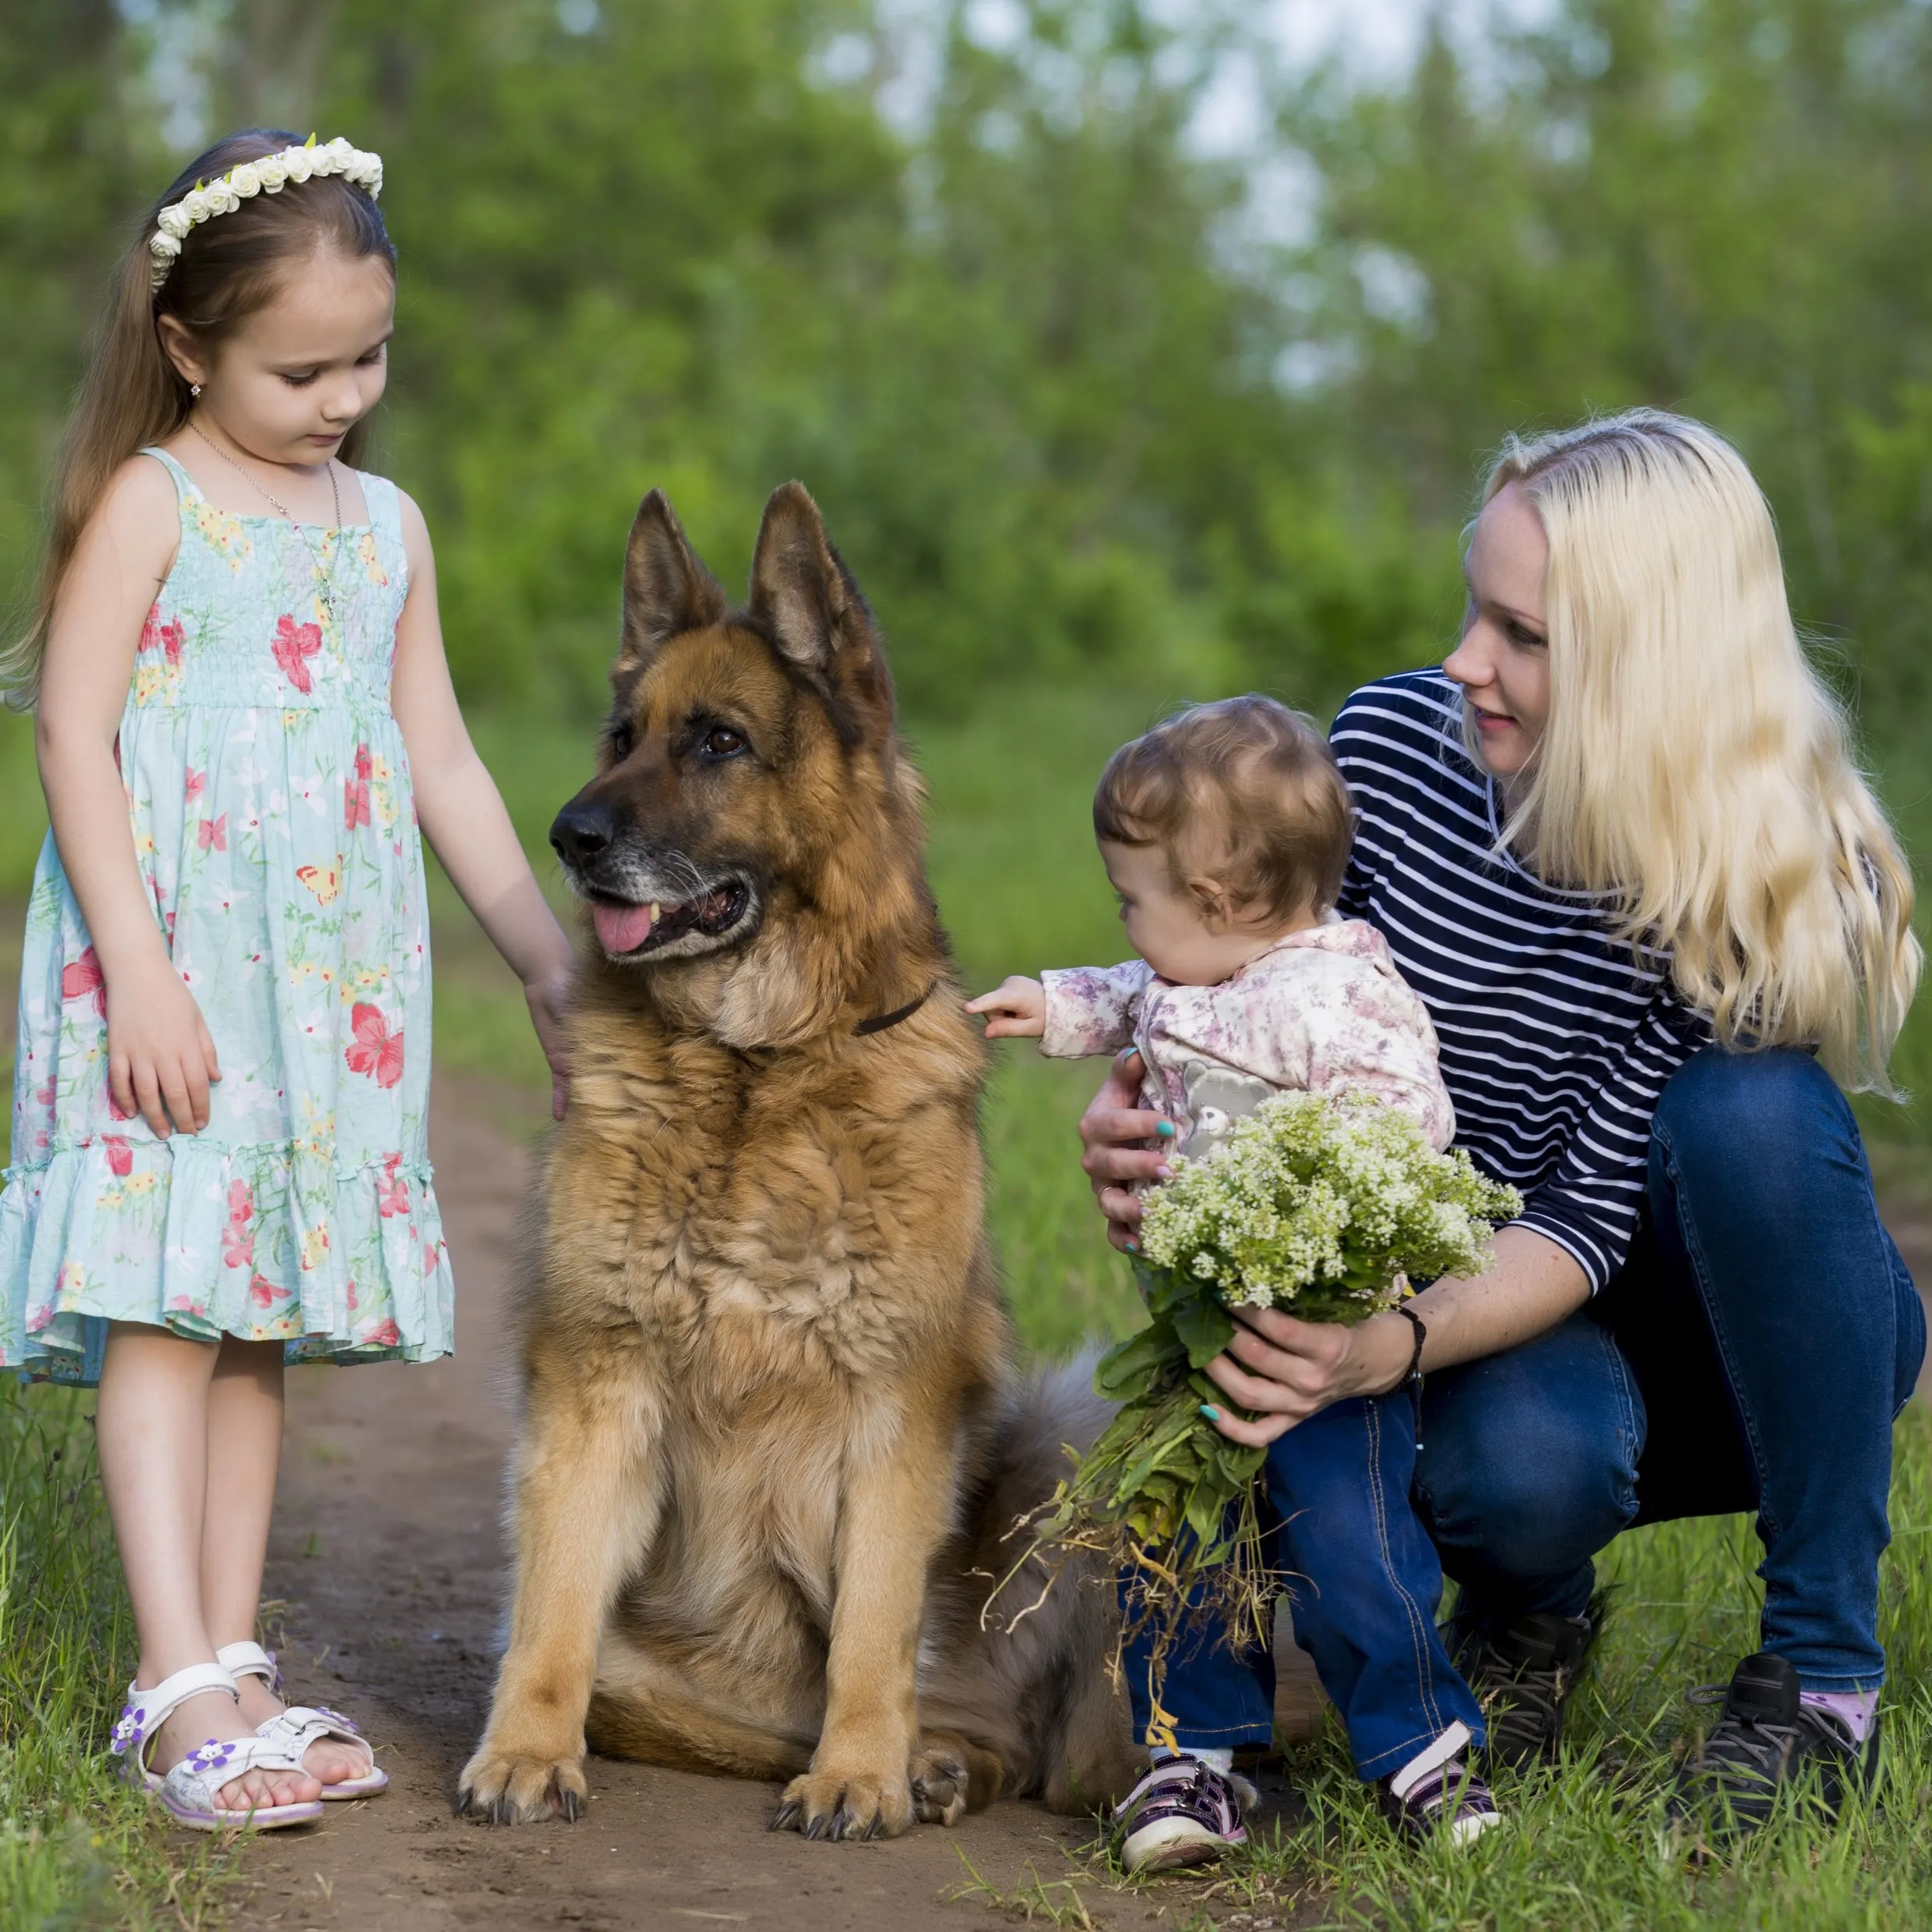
(1225, 831)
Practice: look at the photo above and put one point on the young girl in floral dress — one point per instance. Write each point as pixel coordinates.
(242, 707)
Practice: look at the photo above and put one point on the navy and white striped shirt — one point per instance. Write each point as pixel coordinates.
(1556, 1041)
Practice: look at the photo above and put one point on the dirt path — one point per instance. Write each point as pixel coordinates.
(388, 1555)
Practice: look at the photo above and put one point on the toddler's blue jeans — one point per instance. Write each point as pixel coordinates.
(1364, 1582)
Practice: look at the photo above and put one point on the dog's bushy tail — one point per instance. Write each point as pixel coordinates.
(1051, 1411)
(1034, 1674)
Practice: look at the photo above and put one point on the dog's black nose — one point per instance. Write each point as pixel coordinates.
(582, 830)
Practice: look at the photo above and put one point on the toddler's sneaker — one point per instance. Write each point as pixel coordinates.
(1183, 1813)
(1436, 1795)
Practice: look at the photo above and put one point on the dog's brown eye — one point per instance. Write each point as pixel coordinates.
(623, 739)
(722, 741)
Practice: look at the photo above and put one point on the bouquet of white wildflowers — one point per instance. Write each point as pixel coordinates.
(1323, 1208)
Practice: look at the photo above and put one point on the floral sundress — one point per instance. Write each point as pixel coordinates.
(269, 799)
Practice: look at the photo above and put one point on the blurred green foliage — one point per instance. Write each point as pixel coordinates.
(1715, 205)
(1067, 406)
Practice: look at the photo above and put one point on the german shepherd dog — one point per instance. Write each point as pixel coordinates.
(773, 1439)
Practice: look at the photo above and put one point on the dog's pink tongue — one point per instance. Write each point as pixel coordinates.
(622, 928)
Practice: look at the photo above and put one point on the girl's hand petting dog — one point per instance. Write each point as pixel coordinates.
(161, 1057)
(548, 998)
(1017, 1008)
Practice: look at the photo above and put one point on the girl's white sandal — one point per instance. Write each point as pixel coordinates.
(189, 1791)
(300, 1725)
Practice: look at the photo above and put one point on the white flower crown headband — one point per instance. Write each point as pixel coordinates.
(268, 176)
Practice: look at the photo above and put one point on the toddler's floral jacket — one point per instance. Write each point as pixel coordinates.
(1320, 1012)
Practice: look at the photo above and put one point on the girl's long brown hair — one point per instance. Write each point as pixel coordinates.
(132, 395)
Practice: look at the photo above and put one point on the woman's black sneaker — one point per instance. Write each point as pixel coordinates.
(1522, 1673)
(1765, 1741)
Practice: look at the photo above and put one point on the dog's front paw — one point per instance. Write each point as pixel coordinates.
(513, 1787)
(841, 1805)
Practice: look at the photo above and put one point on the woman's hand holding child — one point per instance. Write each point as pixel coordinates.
(1114, 1133)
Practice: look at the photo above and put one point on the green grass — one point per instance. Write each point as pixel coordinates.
(1586, 1849)
(77, 1846)
(1017, 883)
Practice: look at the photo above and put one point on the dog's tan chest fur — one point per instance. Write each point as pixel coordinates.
(751, 1228)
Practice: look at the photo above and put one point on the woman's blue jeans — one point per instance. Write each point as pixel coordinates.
(1751, 1355)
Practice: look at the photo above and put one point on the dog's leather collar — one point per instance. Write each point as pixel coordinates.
(879, 1022)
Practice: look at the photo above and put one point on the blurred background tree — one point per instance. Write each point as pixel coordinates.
(1066, 405)
(1092, 403)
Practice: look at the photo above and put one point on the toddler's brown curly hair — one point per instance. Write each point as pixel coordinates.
(1245, 798)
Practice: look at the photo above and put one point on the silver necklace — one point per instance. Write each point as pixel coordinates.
(325, 588)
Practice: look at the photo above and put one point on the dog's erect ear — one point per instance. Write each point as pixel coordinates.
(801, 594)
(665, 589)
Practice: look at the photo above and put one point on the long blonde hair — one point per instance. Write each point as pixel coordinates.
(132, 394)
(1694, 764)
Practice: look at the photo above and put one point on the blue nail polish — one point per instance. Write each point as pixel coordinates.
(1209, 1411)
(1165, 1130)
(1133, 1248)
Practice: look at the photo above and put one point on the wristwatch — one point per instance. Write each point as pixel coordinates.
(1413, 1380)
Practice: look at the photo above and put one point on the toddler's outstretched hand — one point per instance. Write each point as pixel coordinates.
(1017, 1007)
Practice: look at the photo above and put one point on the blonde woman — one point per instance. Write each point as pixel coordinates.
(1618, 846)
